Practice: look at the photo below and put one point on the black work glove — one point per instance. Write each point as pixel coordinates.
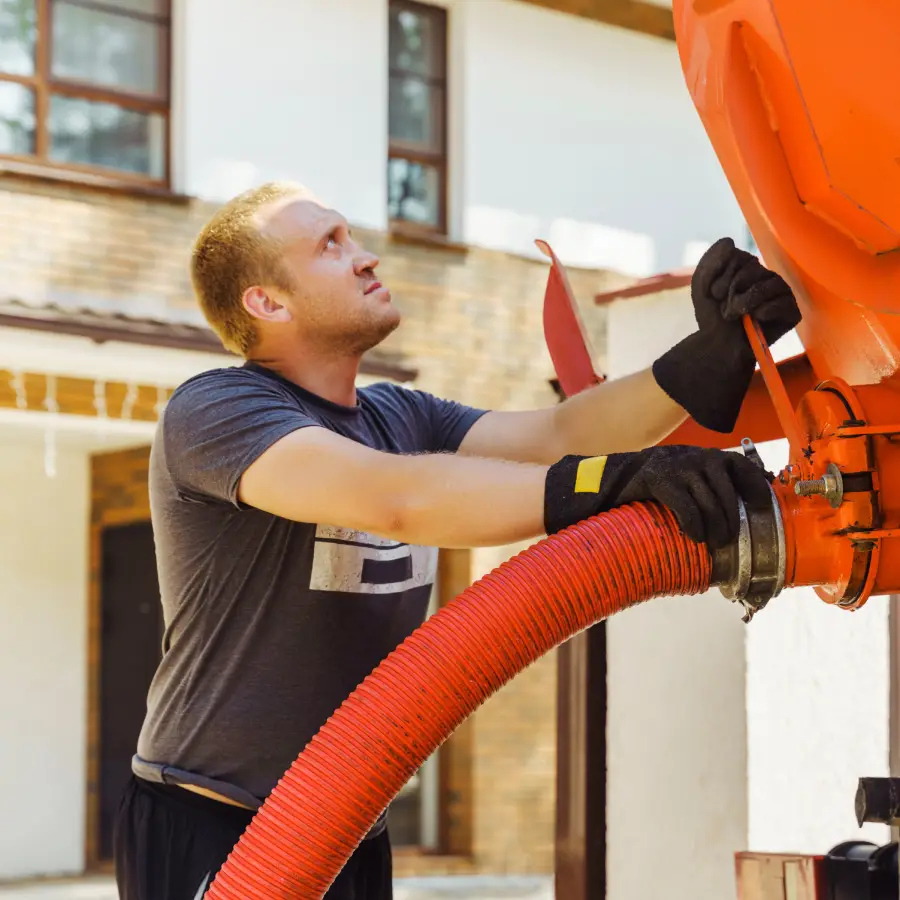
(709, 372)
(701, 487)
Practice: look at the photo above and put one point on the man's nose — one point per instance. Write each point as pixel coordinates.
(365, 261)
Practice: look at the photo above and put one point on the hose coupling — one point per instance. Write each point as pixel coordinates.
(751, 571)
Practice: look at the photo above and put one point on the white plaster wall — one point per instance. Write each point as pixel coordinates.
(736, 737)
(43, 644)
(560, 127)
(585, 135)
(818, 715)
(676, 736)
(676, 731)
(268, 89)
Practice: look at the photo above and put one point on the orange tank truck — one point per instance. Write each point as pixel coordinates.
(797, 98)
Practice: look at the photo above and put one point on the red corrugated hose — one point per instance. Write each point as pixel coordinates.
(347, 775)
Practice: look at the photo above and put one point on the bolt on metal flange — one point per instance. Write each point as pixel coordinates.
(830, 486)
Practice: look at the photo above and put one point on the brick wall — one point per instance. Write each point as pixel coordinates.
(473, 331)
(472, 320)
(515, 763)
(119, 492)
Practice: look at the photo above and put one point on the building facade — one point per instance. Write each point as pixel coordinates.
(452, 134)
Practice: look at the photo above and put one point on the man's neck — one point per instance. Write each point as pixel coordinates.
(332, 379)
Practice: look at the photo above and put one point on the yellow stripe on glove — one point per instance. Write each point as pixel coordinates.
(589, 475)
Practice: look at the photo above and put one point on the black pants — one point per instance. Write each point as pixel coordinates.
(170, 843)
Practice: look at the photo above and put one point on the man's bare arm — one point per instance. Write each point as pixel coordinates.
(443, 500)
(615, 417)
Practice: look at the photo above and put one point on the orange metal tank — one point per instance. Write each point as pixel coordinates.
(799, 100)
(797, 97)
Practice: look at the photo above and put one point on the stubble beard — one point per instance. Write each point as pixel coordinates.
(367, 333)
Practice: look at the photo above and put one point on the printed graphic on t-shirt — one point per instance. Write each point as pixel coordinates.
(355, 562)
(202, 889)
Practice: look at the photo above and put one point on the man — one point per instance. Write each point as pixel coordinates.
(294, 514)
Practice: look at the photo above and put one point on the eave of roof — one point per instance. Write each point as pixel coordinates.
(665, 281)
(102, 326)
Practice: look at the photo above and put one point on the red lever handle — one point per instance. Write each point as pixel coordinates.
(784, 409)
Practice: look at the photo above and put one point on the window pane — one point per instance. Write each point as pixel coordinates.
(405, 814)
(414, 43)
(16, 119)
(143, 7)
(414, 192)
(102, 134)
(415, 113)
(105, 49)
(18, 32)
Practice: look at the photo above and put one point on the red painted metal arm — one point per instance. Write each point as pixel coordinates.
(564, 331)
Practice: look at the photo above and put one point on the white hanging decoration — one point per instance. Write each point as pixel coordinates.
(100, 399)
(131, 395)
(17, 380)
(100, 407)
(52, 407)
(162, 398)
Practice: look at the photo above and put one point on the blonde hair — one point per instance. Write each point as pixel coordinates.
(230, 255)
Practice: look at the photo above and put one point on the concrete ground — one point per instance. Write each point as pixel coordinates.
(483, 888)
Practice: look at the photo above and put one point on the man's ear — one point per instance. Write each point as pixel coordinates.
(262, 305)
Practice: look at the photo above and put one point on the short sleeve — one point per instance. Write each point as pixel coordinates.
(448, 420)
(218, 423)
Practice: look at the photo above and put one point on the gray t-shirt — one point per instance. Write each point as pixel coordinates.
(270, 624)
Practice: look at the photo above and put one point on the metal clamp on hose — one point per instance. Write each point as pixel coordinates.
(751, 571)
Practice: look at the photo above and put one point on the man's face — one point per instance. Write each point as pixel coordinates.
(337, 300)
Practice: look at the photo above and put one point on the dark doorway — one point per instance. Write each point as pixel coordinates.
(581, 767)
(130, 649)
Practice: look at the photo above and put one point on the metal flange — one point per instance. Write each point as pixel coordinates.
(751, 571)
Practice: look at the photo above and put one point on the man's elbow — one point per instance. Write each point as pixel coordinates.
(407, 517)
(399, 519)
(386, 514)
